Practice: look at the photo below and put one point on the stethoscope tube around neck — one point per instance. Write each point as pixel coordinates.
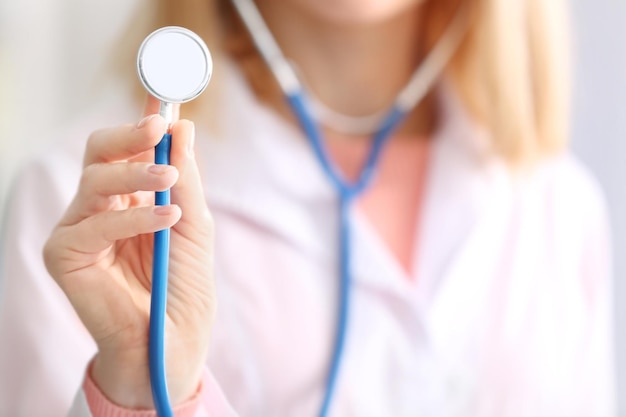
(347, 194)
(418, 86)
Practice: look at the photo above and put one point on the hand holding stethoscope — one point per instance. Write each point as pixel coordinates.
(101, 252)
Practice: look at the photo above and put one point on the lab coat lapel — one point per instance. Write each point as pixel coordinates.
(467, 214)
(469, 275)
(467, 191)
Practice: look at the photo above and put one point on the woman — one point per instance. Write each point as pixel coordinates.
(481, 280)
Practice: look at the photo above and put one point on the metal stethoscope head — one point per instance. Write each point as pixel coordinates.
(174, 65)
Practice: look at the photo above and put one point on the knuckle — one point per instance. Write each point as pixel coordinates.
(206, 225)
(128, 178)
(135, 221)
(94, 138)
(105, 224)
(50, 254)
(88, 175)
(90, 182)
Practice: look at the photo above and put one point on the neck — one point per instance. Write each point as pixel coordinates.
(355, 69)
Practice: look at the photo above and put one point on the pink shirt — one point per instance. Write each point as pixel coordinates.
(506, 313)
(100, 405)
(208, 401)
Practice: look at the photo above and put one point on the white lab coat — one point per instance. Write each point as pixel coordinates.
(508, 315)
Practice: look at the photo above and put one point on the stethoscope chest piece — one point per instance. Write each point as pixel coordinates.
(174, 64)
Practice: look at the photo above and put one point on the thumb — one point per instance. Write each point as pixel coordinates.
(188, 192)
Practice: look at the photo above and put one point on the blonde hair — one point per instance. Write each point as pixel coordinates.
(511, 71)
(512, 74)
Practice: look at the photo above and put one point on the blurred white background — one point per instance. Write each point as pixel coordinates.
(52, 58)
(599, 129)
(51, 52)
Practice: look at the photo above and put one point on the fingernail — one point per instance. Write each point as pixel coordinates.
(190, 146)
(145, 121)
(159, 169)
(162, 210)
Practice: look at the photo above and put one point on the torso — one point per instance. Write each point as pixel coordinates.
(392, 202)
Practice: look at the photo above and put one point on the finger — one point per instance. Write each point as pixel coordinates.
(126, 178)
(100, 182)
(188, 192)
(97, 233)
(124, 142)
(153, 105)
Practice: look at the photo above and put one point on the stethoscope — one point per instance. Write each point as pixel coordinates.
(175, 66)
(308, 113)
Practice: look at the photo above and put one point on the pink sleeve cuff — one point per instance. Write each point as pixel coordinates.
(101, 406)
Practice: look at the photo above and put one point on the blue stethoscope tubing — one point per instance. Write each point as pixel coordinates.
(419, 84)
(158, 302)
(347, 194)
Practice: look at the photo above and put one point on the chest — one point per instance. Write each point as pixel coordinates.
(391, 204)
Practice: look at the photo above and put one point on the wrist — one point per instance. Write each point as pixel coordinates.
(124, 383)
(100, 405)
(125, 379)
